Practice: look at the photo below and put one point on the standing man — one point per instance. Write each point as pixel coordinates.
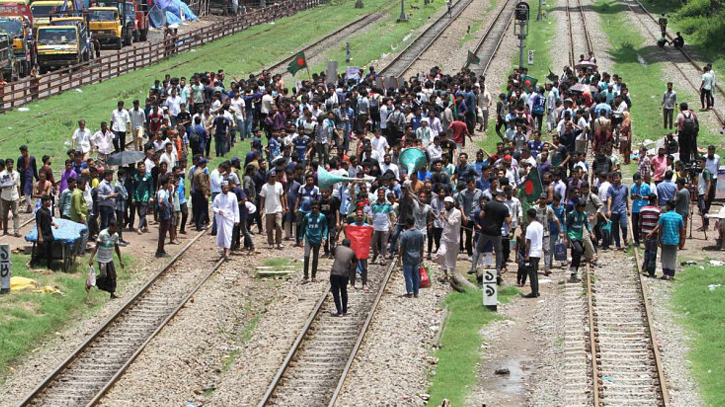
(163, 200)
(143, 196)
(226, 213)
(120, 123)
(649, 217)
(546, 216)
(78, 206)
(669, 101)
(315, 226)
(107, 241)
(617, 210)
(448, 251)
(712, 164)
(28, 170)
(273, 204)
(706, 99)
(704, 192)
(412, 243)
(200, 195)
(103, 141)
(671, 235)
(9, 196)
(342, 268)
(81, 140)
(106, 199)
(468, 201)
(534, 250)
(44, 223)
(484, 103)
(138, 125)
(640, 195)
(662, 21)
(687, 127)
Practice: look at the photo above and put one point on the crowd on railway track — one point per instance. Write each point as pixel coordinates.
(554, 181)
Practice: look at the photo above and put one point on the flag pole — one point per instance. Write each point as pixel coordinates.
(309, 76)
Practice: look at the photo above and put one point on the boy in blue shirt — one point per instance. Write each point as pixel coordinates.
(640, 196)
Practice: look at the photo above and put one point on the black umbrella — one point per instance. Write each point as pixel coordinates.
(125, 158)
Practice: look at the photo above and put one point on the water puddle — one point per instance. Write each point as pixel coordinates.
(512, 383)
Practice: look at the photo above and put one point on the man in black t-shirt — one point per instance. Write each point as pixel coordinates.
(330, 206)
(44, 223)
(494, 214)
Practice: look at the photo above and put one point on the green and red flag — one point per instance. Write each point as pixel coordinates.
(529, 82)
(531, 189)
(297, 63)
(473, 58)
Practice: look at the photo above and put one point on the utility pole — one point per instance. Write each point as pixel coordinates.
(521, 28)
(403, 18)
(538, 15)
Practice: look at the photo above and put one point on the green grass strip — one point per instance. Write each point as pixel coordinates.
(27, 318)
(701, 312)
(461, 345)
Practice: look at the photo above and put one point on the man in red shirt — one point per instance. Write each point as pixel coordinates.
(459, 131)
(155, 120)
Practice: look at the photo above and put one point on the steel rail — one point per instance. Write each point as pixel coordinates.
(588, 39)
(488, 32)
(692, 62)
(592, 338)
(45, 384)
(572, 57)
(268, 395)
(363, 331)
(649, 318)
(443, 22)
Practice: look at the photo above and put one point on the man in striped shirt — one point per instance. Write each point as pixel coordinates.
(648, 217)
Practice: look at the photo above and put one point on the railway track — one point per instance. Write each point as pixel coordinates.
(492, 38)
(680, 59)
(611, 356)
(415, 49)
(316, 366)
(577, 23)
(92, 369)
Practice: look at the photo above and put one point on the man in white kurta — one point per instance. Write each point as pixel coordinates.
(226, 214)
(448, 250)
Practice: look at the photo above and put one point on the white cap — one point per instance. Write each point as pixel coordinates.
(449, 199)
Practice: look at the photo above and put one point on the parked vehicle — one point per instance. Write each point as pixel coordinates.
(16, 20)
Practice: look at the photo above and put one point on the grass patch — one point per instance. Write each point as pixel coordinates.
(27, 319)
(240, 54)
(461, 344)
(280, 263)
(384, 37)
(701, 313)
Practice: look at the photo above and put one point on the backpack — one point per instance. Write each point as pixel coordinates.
(689, 125)
(539, 105)
(194, 140)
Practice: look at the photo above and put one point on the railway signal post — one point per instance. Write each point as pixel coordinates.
(521, 28)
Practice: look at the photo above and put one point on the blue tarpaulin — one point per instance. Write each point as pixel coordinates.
(170, 11)
(68, 231)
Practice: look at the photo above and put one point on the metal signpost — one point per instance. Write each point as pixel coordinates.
(490, 290)
(521, 28)
(5, 268)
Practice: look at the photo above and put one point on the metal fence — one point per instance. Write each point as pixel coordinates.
(29, 89)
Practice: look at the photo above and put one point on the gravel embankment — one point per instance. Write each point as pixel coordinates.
(53, 351)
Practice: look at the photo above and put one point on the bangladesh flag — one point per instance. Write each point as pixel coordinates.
(473, 58)
(531, 190)
(297, 63)
(529, 82)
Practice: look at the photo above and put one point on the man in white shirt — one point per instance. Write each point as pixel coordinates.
(104, 141)
(380, 144)
(388, 165)
(712, 163)
(435, 151)
(120, 122)
(9, 196)
(273, 205)
(484, 103)
(238, 107)
(706, 98)
(82, 139)
(138, 125)
(173, 102)
(534, 250)
(168, 157)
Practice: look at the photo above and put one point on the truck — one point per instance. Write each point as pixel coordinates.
(138, 12)
(110, 25)
(43, 9)
(16, 20)
(8, 65)
(65, 42)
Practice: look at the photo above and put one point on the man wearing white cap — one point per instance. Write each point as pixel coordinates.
(226, 214)
(424, 133)
(448, 250)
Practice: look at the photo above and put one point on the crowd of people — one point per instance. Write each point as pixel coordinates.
(357, 129)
